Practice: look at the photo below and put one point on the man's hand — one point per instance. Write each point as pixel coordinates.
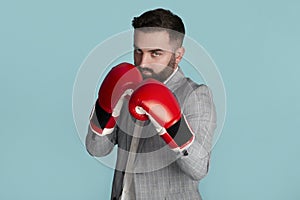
(153, 100)
(119, 82)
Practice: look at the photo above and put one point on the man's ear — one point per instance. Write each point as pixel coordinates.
(179, 54)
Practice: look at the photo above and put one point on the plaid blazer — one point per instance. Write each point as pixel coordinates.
(158, 172)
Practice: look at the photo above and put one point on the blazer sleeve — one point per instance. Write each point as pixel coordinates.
(200, 113)
(100, 146)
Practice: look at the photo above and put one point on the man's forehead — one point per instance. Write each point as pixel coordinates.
(152, 40)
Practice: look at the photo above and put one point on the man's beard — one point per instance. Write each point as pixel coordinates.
(161, 76)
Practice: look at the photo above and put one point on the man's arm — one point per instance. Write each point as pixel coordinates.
(100, 145)
(190, 133)
(200, 114)
(117, 85)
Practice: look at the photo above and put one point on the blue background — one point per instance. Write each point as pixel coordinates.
(255, 45)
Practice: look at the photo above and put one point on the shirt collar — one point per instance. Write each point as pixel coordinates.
(175, 79)
(165, 82)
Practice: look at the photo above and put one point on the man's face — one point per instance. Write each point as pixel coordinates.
(154, 54)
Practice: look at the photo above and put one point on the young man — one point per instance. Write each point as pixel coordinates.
(161, 121)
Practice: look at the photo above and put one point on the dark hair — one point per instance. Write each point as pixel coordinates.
(161, 19)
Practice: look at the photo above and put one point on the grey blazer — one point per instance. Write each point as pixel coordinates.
(160, 173)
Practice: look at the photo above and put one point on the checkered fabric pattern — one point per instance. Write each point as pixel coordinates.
(160, 173)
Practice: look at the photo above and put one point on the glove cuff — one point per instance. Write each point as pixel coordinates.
(180, 136)
(101, 122)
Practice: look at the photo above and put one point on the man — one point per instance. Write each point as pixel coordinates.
(161, 121)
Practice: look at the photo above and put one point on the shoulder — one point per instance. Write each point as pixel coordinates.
(190, 89)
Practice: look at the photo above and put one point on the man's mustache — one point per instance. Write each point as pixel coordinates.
(145, 69)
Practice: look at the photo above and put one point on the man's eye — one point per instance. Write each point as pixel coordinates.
(138, 51)
(156, 53)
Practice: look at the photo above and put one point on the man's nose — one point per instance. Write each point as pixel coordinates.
(145, 60)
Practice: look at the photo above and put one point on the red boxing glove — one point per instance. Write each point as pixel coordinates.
(119, 82)
(153, 100)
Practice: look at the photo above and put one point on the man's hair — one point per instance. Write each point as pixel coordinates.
(161, 19)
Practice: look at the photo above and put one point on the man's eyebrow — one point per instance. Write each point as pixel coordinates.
(154, 50)
(150, 50)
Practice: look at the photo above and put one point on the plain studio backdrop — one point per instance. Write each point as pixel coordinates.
(255, 45)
